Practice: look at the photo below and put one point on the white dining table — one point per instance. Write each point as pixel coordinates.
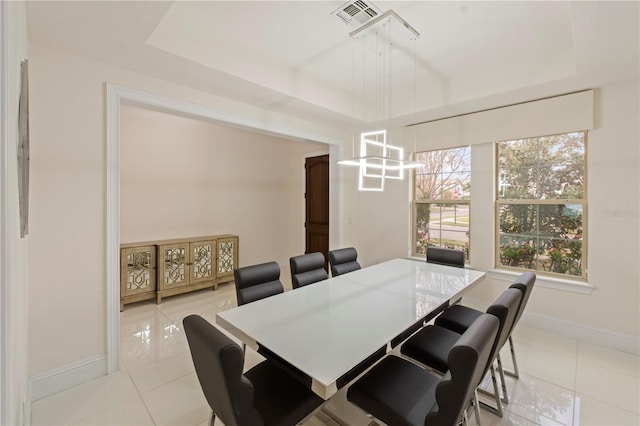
(327, 329)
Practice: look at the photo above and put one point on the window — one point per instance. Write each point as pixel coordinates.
(441, 195)
(541, 204)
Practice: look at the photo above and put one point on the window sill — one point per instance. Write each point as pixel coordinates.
(544, 281)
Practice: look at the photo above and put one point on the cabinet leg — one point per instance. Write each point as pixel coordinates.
(158, 299)
(121, 306)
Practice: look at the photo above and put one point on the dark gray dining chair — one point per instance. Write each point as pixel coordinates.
(264, 395)
(445, 256)
(256, 282)
(307, 269)
(430, 346)
(399, 392)
(459, 317)
(343, 261)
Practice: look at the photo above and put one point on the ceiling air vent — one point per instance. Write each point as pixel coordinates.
(356, 13)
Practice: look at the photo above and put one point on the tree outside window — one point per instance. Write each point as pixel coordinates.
(541, 204)
(442, 193)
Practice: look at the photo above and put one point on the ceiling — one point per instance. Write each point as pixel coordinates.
(296, 58)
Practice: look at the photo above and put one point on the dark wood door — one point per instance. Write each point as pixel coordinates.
(317, 206)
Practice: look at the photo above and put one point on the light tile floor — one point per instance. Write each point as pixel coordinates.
(563, 381)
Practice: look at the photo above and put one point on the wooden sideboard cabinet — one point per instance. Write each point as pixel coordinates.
(183, 265)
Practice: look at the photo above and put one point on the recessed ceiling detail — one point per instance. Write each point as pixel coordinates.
(296, 58)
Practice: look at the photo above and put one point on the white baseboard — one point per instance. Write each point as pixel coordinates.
(26, 407)
(68, 376)
(612, 339)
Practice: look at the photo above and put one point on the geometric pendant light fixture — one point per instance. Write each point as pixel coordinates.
(378, 159)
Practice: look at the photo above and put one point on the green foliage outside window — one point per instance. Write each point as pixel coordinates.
(541, 203)
(458, 238)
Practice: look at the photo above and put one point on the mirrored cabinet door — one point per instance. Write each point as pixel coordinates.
(173, 266)
(227, 254)
(202, 261)
(137, 274)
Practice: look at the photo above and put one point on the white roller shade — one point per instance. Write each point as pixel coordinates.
(560, 114)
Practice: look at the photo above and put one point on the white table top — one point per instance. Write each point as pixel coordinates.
(327, 328)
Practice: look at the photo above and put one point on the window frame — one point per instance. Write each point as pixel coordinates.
(415, 203)
(499, 202)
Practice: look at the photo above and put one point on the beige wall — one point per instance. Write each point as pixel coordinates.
(182, 177)
(16, 256)
(68, 223)
(376, 223)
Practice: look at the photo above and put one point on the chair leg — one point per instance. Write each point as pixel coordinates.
(505, 397)
(471, 405)
(497, 410)
(496, 392)
(515, 373)
(476, 406)
(213, 419)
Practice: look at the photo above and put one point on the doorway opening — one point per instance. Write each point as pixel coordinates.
(116, 96)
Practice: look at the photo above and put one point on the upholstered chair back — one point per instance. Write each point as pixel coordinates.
(343, 261)
(524, 283)
(218, 362)
(307, 269)
(467, 360)
(445, 256)
(257, 282)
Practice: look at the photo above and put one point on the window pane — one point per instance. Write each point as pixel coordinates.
(517, 153)
(562, 256)
(456, 160)
(546, 237)
(442, 225)
(422, 215)
(561, 181)
(444, 179)
(562, 149)
(517, 183)
(426, 187)
(431, 161)
(550, 167)
(445, 172)
(454, 186)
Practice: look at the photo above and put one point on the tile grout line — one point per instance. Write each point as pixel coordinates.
(575, 385)
(158, 309)
(133, 382)
(605, 366)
